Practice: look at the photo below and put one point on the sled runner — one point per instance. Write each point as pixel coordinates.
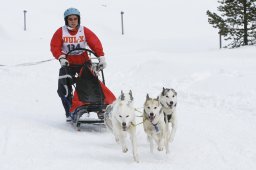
(90, 96)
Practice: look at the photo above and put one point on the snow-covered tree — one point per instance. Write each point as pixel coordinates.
(237, 21)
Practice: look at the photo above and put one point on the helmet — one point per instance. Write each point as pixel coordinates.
(71, 11)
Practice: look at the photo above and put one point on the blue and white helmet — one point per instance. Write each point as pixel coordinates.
(71, 11)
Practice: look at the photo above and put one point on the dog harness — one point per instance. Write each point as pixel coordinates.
(168, 117)
(156, 127)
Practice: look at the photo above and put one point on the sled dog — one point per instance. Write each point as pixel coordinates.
(120, 119)
(154, 124)
(168, 100)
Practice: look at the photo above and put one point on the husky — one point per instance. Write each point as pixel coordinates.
(120, 119)
(168, 100)
(154, 124)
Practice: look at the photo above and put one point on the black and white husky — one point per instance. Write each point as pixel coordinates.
(154, 124)
(168, 100)
(120, 119)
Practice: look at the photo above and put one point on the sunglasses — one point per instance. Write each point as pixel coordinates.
(73, 19)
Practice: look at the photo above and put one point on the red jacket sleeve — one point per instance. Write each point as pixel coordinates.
(56, 43)
(93, 42)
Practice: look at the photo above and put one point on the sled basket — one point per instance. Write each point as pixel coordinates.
(90, 94)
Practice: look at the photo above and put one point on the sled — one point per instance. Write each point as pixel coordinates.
(91, 115)
(90, 96)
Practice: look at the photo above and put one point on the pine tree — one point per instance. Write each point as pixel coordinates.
(237, 22)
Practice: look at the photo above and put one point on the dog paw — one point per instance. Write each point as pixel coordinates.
(160, 148)
(125, 150)
(136, 159)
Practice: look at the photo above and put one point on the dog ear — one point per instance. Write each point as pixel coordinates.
(175, 93)
(130, 93)
(163, 91)
(147, 97)
(122, 95)
(157, 99)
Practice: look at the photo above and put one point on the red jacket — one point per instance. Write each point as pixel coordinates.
(91, 39)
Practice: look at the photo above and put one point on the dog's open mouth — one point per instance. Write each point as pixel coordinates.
(151, 117)
(169, 105)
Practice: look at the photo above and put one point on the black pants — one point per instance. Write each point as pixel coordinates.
(66, 80)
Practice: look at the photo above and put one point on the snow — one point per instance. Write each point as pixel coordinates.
(216, 88)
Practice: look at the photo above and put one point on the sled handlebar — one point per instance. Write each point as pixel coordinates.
(82, 49)
(89, 51)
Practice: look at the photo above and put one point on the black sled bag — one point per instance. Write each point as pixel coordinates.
(88, 87)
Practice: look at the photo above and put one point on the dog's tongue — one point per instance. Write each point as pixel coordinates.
(151, 118)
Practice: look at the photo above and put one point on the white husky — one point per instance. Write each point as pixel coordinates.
(168, 100)
(154, 124)
(120, 119)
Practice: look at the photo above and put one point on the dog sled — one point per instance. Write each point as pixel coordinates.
(90, 96)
